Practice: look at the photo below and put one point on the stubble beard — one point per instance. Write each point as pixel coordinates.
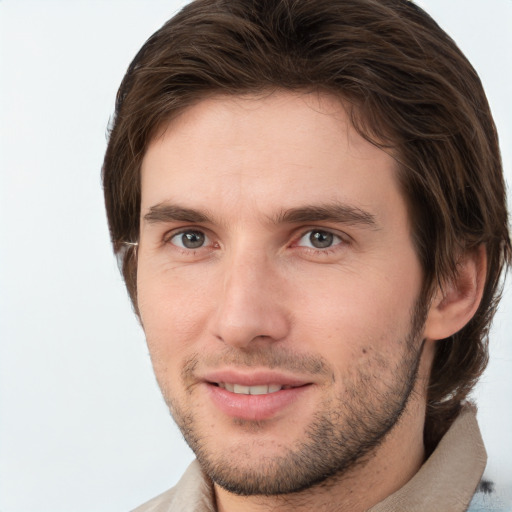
(344, 432)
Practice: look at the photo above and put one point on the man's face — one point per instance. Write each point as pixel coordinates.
(278, 289)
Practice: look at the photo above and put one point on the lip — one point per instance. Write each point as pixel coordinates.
(254, 407)
(254, 378)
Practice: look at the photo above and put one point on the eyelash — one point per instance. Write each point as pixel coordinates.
(340, 240)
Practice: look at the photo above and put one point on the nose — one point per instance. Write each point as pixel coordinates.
(251, 305)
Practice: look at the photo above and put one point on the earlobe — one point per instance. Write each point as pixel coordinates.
(455, 303)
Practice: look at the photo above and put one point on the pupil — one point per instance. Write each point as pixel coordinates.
(321, 239)
(193, 239)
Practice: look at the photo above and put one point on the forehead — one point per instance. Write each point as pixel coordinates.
(260, 153)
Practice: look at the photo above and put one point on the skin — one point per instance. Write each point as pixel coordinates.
(257, 300)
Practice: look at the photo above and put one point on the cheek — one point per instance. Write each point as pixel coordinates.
(357, 311)
(173, 312)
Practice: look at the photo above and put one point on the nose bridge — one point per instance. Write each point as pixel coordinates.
(251, 304)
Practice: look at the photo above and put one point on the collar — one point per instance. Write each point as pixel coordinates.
(449, 477)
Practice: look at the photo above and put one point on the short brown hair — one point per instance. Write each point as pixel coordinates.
(412, 90)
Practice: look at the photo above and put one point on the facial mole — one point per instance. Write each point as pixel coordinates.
(364, 350)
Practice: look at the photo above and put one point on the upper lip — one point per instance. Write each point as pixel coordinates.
(253, 378)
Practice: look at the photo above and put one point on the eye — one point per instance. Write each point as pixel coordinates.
(190, 239)
(319, 239)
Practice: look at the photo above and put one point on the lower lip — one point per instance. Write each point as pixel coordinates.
(254, 407)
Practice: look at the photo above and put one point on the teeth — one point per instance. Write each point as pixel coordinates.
(241, 390)
(251, 390)
(258, 390)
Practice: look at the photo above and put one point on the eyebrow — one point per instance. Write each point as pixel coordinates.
(164, 212)
(332, 212)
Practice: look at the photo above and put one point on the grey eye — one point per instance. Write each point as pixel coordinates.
(189, 239)
(319, 239)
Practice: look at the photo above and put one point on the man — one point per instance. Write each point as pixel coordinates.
(308, 205)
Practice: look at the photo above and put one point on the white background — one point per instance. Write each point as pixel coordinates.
(82, 425)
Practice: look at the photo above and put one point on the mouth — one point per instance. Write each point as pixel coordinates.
(241, 389)
(257, 396)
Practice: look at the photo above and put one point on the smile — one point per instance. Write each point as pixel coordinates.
(240, 389)
(254, 402)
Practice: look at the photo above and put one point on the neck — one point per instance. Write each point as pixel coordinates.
(392, 464)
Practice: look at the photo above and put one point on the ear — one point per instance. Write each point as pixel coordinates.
(456, 301)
